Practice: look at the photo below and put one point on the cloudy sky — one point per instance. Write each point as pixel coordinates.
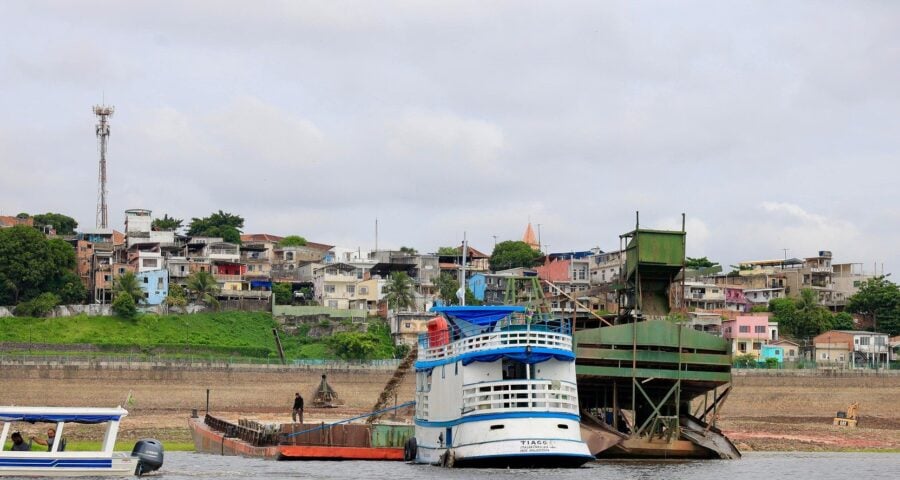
(770, 124)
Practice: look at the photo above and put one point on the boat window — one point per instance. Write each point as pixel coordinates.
(497, 427)
(513, 370)
(563, 426)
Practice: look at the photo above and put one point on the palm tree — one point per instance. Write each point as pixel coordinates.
(128, 283)
(398, 292)
(203, 288)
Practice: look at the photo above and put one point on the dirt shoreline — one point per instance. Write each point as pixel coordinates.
(761, 414)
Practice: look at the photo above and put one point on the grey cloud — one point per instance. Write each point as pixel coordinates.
(444, 117)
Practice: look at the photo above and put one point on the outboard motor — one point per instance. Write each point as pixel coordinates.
(149, 453)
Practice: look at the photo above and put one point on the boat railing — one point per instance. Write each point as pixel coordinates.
(512, 332)
(520, 395)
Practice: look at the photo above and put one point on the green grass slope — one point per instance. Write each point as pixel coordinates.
(243, 334)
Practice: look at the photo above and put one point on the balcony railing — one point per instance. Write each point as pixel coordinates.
(554, 333)
(520, 395)
(228, 278)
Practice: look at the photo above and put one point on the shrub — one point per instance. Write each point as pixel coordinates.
(771, 363)
(402, 350)
(124, 306)
(747, 360)
(283, 292)
(354, 345)
(38, 306)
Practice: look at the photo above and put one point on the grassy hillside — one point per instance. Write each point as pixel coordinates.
(246, 334)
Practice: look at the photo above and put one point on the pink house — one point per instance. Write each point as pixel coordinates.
(748, 333)
(735, 299)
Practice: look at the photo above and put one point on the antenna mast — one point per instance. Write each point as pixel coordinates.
(103, 113)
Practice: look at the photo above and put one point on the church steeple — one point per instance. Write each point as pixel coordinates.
(530, 238)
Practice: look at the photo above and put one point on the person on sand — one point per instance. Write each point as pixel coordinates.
(298, 408)
(51, 435)
(18, 443)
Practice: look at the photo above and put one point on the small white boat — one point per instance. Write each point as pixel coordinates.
(495, 387)
(55, 462)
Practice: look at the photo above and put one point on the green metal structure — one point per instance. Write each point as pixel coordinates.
(653, 258)
(655, 383)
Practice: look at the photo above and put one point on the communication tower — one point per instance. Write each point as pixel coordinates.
(103, 113)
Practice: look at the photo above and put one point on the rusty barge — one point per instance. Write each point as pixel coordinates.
(298, 441)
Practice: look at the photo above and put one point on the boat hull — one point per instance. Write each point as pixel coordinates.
(312, 452)
(521, 443)
(119, 465)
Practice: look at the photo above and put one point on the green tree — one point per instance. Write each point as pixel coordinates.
(203, 288)
(177, 297)
(128, 283)
(292, 241)
(842, 321)
(697, 263)
(283, 292)
(123, 306)
(513, 254)
(399, 291)
(69, 288)
(409, 250)
(167, 223)
(784, 311)
(219, 224)
(448, 252)
(447, 287)
(801, 317)
(63, 224)
(878, 299)
(30, 264)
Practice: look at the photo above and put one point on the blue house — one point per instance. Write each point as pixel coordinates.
(155, 284)
(771, 351)
(478, 285)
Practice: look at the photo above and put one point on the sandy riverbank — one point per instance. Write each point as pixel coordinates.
(764, 414)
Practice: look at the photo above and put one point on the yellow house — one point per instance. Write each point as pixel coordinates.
(367, 294)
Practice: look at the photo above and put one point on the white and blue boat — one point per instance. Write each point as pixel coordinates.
(495, 387)
(146, 456)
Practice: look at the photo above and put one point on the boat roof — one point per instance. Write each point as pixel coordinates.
(480, 315)
(61, 414)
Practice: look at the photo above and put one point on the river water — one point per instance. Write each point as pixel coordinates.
(817, 466)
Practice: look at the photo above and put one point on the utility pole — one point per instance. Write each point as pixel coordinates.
(103, 113)
(785, 252)
(461, 293)
(539, 235)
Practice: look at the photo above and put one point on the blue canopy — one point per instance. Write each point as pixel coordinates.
(60, 414)
(48, 418)
(479, 315)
